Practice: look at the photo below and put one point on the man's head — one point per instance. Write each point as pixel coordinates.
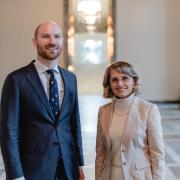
(48, 40)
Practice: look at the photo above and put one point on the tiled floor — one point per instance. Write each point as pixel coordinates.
(89, 105)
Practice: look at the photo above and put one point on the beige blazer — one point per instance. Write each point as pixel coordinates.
(142, 150)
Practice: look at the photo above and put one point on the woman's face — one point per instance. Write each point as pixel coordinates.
(121, 84)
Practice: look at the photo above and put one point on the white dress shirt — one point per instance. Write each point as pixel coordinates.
(21, 178)
(45, 77)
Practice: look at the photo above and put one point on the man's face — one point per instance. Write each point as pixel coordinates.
(49, 41)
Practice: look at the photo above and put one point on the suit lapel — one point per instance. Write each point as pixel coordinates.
(65, 80)
(34, 80)
(131, 125)
(106, 121)
(132, 121)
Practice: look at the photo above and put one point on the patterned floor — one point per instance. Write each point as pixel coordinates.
(171, 131)
(89, 105)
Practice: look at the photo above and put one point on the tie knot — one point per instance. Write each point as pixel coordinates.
(50, 71)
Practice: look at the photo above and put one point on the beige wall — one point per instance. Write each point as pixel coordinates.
(18, 20)
(147, 35)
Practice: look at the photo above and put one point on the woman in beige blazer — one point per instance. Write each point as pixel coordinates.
(129, 144)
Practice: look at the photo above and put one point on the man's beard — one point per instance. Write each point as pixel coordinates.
(49, 54)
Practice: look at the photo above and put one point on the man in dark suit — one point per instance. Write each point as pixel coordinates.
(40, 126)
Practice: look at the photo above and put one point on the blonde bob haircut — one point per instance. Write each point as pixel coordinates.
(121, 67)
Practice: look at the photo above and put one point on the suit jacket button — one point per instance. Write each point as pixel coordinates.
(124, 163)
(55, 125)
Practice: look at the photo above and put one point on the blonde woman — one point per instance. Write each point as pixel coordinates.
(129, 144)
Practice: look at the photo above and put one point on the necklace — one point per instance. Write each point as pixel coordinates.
(121, 114)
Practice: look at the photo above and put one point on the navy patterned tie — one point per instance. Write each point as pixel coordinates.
(53, 93)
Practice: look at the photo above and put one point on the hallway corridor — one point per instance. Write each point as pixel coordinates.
(89, 105)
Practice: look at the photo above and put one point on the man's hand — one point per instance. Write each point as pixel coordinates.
(81, 174)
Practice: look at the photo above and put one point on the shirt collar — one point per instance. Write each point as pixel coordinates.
(41, 68)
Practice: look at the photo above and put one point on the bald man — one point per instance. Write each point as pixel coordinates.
(40, 127)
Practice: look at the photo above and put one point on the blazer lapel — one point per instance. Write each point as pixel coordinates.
(106, 121)
(132, 121)
(35, 82)
(64, 80)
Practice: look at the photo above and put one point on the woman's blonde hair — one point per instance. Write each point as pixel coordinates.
(121, 67)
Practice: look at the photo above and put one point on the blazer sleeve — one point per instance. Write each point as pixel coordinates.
(155, 142)
(9, 128)
(100, 149)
